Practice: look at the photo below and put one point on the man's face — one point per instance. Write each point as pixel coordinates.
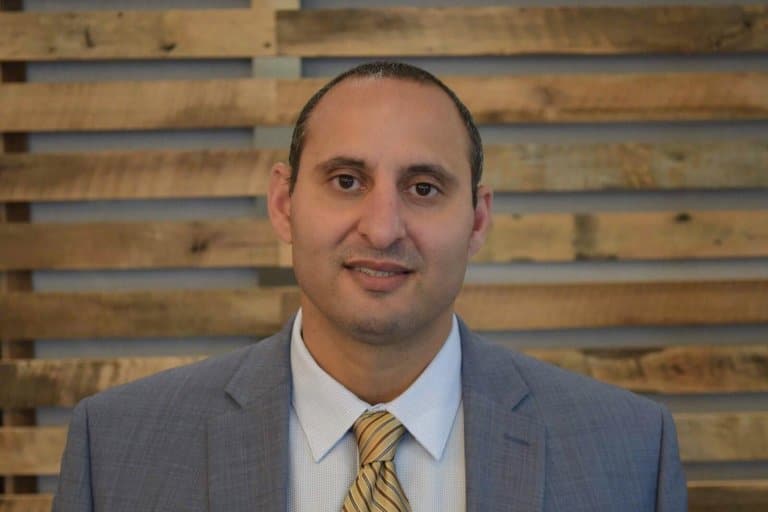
(381, 217)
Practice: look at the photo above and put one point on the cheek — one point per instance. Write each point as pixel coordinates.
(316, 231)
(446, 243)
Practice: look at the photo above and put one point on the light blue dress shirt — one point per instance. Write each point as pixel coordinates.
(323, 452)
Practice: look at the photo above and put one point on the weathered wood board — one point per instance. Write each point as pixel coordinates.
(694, 369)
(522, 30)
(245, 242)
(594, 97)
(146, 34)
(254, 311)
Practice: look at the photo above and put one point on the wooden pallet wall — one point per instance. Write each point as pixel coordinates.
(276, 36)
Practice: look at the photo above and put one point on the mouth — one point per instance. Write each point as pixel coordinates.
(375, 273)
(377, 268)
(378, 275)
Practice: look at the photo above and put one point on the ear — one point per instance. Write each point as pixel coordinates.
(482, 219)
(279, 201)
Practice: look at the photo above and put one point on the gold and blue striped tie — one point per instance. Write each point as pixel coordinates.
(376, 488)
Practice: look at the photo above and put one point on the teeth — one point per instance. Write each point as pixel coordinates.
(374, 273)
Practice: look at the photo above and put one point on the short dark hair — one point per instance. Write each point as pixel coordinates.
(400, 71)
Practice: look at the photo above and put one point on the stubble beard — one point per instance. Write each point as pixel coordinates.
(381, 325)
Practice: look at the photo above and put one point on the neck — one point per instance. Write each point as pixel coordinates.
(377, 369)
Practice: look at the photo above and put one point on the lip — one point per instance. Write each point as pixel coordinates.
(385, 276)
(377, 265)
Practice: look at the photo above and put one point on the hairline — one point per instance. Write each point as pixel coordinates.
(394, 71)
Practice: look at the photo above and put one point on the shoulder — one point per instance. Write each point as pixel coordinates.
(565, 400)
(192, 391)
(198, 377)
(554, 387)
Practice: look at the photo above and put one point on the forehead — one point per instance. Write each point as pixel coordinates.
(387, 116)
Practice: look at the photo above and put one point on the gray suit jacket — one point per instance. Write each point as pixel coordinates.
(214, 436)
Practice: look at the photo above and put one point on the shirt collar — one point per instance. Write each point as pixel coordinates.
(326, 409)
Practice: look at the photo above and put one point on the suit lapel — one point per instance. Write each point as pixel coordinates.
(504, 446)
(248, 446)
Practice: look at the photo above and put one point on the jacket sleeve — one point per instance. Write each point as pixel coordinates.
(74, 489)
(671, 488)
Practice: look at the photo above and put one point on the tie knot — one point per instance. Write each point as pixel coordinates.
(377, 436)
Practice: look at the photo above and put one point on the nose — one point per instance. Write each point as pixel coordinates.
(381, 217)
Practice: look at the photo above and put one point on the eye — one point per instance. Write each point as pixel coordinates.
(424, 189)
(346, 182)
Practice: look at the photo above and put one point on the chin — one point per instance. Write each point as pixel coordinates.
(390, 328)
(376, 330)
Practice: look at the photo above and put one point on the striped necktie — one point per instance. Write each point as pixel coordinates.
(376, 487)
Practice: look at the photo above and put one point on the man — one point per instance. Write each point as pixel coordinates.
(375, 396)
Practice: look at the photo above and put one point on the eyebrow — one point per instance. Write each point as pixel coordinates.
(341, 161)
(437, 171)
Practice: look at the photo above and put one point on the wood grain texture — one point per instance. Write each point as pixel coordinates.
(117, 105)
(31, 450)
(512, 30)
(614, 97)
(172, 34)
(562, 306)
(596, 97)
(626, 236)
(672, 370)
(245, 242)
(688, 369)
(37, 450)
(728, 495)
(64, 382)
(134, 314)
(709, 437)
(237, 242)
(136, 174)
(630, 166)
(15, 281)
(26, 502)
(253, 311)
(508, 168)
(231, 33)
(703, 496)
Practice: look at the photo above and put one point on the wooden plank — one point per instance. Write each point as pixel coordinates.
(136, 174)
(26, 502)
(245, 242)
(508, 168)
(614, 97)
(561, 306)
(117, 105)
(593, 97)
(629, 166)
(689, 369)
(64, 382)
(252, 311)
(719, 437)
(728, 495)
(71, 380)
(135, 314)
(232, 33)
(31, 450)
(172, 34)
(703, 496)
(596, 97)
(37, 450)
(522, 30)
(237, 242)
(672, 370)
(624, 236)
